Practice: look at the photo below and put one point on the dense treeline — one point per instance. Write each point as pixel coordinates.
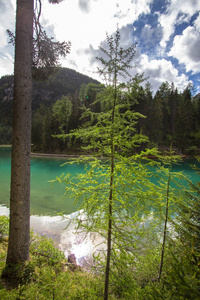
(171, 117)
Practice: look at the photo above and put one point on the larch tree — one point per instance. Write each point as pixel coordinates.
(111, 192)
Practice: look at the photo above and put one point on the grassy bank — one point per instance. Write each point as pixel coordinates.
(47, 275)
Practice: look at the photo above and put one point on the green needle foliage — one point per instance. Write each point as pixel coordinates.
(185, 266)
(121, 197)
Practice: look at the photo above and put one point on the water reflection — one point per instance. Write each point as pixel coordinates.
(65, 236)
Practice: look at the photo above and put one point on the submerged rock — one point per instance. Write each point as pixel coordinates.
(72, 259)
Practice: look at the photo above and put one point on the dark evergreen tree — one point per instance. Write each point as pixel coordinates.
(173, 106)
(88, 95)
(75, 121)
(19, 230)
(188, 226)
(37, 127)
(162, 99)
(156, 120)
(182, 273)
(138, 101)
(185, 124)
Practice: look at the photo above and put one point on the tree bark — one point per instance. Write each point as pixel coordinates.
(110, 223)
(165, 228)
(19, 232)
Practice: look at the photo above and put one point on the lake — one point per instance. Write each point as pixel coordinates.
(47, 201)
(45, 198)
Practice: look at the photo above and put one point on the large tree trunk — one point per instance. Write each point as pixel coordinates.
(19, 234)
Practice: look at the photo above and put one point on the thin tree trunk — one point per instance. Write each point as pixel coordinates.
(19, 233)
(109, 236)
(165, 229)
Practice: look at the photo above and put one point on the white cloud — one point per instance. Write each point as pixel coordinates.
(85, 23)
(6, 64)
(197, 23)
(3, 37)
(84, 5)
(178, 12)
(160, 71)
(86, 28)
(186, 49)
(7, 17)
(82, 28)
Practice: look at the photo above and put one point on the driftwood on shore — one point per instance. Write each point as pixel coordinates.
(55, 155)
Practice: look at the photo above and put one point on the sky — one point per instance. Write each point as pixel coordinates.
(167, 33)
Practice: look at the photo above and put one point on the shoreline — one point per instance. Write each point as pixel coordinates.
(60, 155)
(38, 154)
(56, 155)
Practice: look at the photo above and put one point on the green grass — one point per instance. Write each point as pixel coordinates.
(48, 276)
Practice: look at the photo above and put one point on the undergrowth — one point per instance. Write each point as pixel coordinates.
(48, 276)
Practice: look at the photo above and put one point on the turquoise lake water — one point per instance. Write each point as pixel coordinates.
(46, 200)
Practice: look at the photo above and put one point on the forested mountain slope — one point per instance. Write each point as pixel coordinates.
(65, 81)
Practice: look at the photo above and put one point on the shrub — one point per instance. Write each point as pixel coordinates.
(43, 250)
(4, 226)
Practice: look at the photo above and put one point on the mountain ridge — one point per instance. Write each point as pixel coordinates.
(64, 82)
